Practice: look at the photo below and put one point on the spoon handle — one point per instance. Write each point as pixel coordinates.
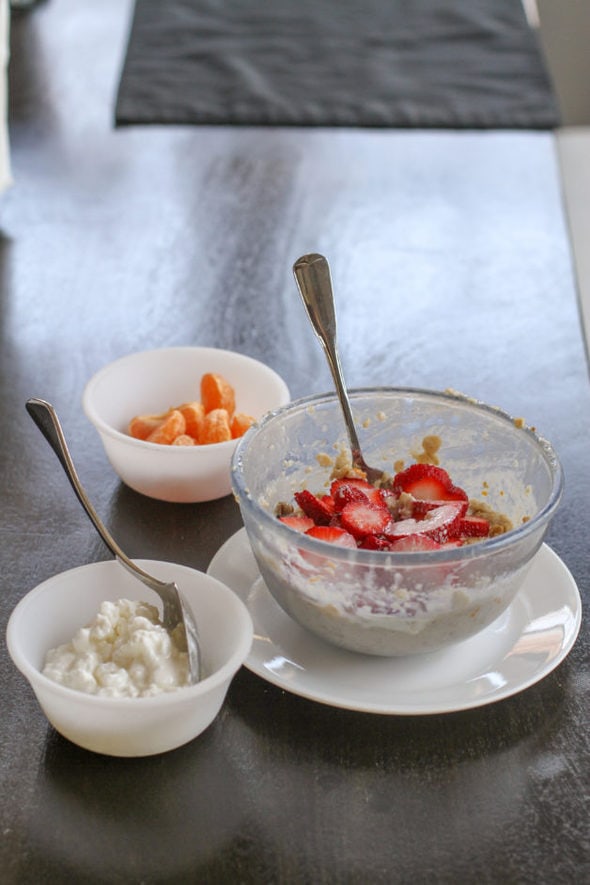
(312, 274)
(45, 417)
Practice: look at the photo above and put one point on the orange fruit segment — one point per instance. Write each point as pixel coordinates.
(240, 424)
(171, 427)
(217, 393)
(194, 414)
(183, 439)
(141, 426)
(216, 427)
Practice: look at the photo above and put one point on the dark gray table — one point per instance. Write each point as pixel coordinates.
(452, 267)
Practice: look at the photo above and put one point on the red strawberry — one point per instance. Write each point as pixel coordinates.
(349, 489)
(332, 534)
(473, 527)
(299, 523)
(375, 542)
(420, 509)
(414, 544)
(320, 510)
(362, 519)
(439, 524)
(344, 494)
(427, 483)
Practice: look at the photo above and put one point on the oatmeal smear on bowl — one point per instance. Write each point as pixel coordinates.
(124, 652)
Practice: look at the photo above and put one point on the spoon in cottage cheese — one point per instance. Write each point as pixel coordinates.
(312, 275)
(177, 617)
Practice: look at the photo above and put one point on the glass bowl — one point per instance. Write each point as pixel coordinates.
(395, 603)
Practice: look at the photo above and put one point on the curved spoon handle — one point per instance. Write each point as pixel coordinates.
(312, 274)
(175, 612)
(45, 417)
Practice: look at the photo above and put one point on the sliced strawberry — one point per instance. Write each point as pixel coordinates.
(299, 523)
(426, 482)
(473, 527)
(375, 542)
(345, 490)
(440, 524)
(345, 494)
(332, 534)
(420, 509)
(362, 519)
(414, 544)
(320, 510)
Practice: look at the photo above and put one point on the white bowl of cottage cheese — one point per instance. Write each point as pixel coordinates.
(107, 674)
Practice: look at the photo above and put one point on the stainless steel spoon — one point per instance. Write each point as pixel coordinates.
(312, 274)
(176, 615)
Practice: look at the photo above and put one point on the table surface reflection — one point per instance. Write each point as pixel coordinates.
(452, 268)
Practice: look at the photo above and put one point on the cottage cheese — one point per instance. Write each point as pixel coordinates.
(124, 652)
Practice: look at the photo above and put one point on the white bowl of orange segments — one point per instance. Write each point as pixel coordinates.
(169, 419)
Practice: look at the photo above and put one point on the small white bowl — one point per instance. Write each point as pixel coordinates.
(52, 613)
(149, 382)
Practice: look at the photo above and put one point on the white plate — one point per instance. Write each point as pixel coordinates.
(521, 647)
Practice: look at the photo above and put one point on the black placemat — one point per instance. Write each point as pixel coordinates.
(391, 63)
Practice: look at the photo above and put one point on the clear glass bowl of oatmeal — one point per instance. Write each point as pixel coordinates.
(395, 603)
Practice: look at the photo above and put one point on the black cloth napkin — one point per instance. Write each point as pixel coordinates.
(457, 64)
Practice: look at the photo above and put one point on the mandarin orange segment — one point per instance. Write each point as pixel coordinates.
(183, 439)
(171, 427)
(216, 427)
(193, 414)
(141, 426)
(240, 424)
(217, 393)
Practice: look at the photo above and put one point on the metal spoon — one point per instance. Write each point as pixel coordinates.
(312, 274)
(176, 613)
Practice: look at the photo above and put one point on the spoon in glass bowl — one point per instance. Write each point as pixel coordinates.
(177, 617)
(312, 274)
